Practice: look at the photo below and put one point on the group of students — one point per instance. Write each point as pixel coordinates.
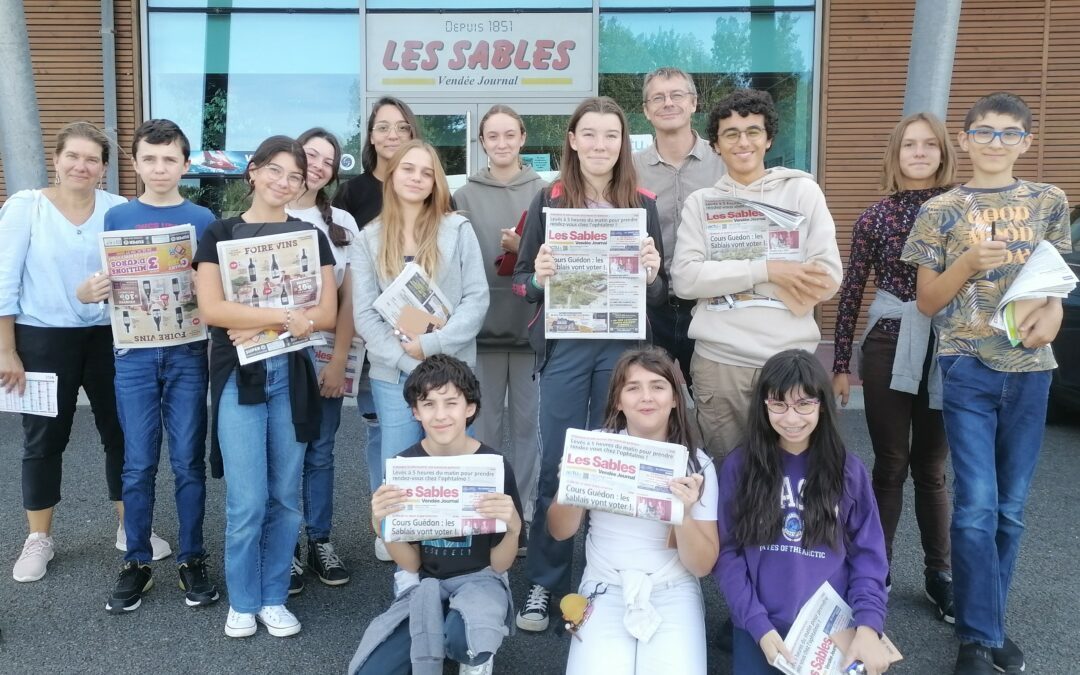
(784, 508)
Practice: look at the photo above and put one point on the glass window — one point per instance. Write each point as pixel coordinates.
(773, 51)
(703, 4)
(256, 4)
(416, 6)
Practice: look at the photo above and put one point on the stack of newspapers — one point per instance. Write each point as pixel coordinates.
(1044, 275)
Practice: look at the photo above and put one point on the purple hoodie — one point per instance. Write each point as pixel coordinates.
(765, 586)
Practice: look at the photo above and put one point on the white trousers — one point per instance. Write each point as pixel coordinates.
(507, 377)
(678, 646)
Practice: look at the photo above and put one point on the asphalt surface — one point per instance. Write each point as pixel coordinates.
(59, 625)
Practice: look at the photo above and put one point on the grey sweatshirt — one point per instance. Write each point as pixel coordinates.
(492, 205)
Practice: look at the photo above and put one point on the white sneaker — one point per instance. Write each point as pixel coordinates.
(380, 550)
(485, 668)
(159, 546)
(279, 621)
(239, 624)
(34, 560)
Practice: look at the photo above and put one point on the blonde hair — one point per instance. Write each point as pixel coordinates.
(426, 227)
(892, 177)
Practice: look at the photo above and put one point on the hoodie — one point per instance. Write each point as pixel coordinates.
(492, 205)
(748, 336)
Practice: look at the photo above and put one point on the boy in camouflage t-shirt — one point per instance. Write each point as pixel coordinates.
(970, 244)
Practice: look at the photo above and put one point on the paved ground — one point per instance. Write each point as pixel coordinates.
(58, 625)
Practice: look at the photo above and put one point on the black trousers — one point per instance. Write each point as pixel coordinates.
(669, 323)
(80, 357)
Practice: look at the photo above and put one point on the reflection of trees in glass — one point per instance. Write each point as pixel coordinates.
(758, 50)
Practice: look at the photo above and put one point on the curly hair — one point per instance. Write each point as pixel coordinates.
(437, 371)
(746, 102)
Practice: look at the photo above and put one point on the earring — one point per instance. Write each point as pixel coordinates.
(56, 181)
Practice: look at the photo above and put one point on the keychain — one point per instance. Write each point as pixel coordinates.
(576, 609)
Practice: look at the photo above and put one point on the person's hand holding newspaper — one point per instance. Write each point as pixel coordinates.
(687, 489)
(868, 649)
(387, 500)
(501, 507)
(650, 259)
(805, 281)
(544, 265)
(772, 645)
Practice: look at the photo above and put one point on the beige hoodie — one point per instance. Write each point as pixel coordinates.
(748, 336)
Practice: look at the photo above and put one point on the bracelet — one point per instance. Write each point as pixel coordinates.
(288, 320)
(536, 284)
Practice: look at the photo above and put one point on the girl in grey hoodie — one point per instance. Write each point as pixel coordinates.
(495, 200)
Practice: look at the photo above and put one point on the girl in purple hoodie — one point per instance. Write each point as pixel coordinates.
(797, 510)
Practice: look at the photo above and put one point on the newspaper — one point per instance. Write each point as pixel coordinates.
(822, 631)
(413, 303)
(599, 290)
(353, 362)
(621, 474)
(152, 300)
(277, 271)
(442, 496)
(39, 397)
(1044, 275)
(743, 229)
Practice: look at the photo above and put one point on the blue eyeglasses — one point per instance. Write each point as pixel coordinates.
(987, 136)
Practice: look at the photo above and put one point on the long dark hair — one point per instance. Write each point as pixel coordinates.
(621, 192)
(757, 502)
(368, 158)
(339, 236)
(655, 361)
(269, 149)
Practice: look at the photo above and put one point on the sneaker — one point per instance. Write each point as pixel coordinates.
(199, 591)
(159, 546)
(37, 551)
(380, 550)
(239, 624)
(134, 580)
(279, 621)
(325, 563)
(974, 659)
(1008, 658)
(485, 668)
(296, 574)
(939, 591)
(534, 615)
(888, 582)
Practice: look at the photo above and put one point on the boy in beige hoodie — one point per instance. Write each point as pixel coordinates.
(738, 265)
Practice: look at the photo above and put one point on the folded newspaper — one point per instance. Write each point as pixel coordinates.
(822, 631)
(1044, 275)
(442, 496)
(413, 303)
(277, 271)
(621, 474)
(353, 362)
(38, 397)
(152, 286)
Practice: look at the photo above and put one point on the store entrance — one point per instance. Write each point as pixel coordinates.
(453, 128)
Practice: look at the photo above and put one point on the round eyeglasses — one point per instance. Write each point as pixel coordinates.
(804, 406)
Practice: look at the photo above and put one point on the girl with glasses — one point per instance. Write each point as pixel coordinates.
(264, 413)
(796, 510)
(645, 400)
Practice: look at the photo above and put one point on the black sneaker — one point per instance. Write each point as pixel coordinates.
(296, 575)
(974, 659)
(533, 616)
(888, 582)
(325, 563)
(939, 592)
(1008, 658)
(134, 580)
(199, 591)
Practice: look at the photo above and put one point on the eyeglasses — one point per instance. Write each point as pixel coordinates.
(752, 134)
(385, 127)
(987, 136)
(804, 406)
(676, 97)
(276, 173)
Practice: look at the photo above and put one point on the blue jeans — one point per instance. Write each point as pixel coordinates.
(392, 656)
(399, 429)
(365, 405)
(318, 489)
(263, 466)
(994, 421)
(154, 386)
(747, 657)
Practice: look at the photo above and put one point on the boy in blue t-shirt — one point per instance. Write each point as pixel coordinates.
(160, 384)
(970, 244)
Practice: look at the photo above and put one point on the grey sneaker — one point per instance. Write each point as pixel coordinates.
(485, 668)
(34, 560)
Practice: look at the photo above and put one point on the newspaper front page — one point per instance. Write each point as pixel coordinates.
(278, 271)
(413, 302)
(599, 289)
(152, 298)
(38, 398)
(442, 496)
(353, 362)
(822, 631)
(621, 474)
(741, 229)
